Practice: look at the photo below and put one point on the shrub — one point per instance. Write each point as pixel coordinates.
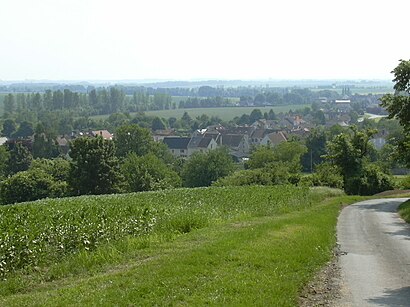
(148, 173)
(327, 175)
(370, 181)
(27, 186)
(272, 174)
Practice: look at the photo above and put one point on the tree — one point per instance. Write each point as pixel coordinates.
(204, 168)
(26, 186)
(316, 148)
(398, 105)
(133, 138)
(19, 159)
(9, 104)
(4, 157)
(148, 173)
(255, 115)
(260, 157)
(94, 168)
(24, 131)
(44, 146)
(350, 153)
(9, 127)
(157, 124)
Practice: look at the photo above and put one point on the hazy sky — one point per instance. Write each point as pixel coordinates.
(212, 39)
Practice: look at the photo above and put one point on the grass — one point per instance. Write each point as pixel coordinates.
(404, 211)
(225, 113)
(257, 246)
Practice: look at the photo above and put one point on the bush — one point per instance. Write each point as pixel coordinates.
(404, 183)
(371, 181)
(202, 169)
(29, 185)
(273, 174)
(148, 173)
(327, 175)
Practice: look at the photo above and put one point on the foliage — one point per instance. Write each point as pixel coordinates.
(4, 158)
(9, 127)
(349, 150)
(260, 157)
(58, 168)
(398, 104)
(287, 152)
(94, 166)
(19, 159)
(44, 146)
(272, 174)
(404, 211)
(204, 168)
(316, 148)
(350, 153)
(133, 138)
(371, 180)
(148, 173)
(327, 175)
(29, 185)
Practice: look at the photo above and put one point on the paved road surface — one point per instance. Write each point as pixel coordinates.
(375, 264)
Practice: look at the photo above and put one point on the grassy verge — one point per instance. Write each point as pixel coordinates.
(261, 255)
(404, 211)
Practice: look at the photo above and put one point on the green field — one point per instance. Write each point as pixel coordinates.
(226, 113)
(218, 246)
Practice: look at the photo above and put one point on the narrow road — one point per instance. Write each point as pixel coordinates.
(375, 261)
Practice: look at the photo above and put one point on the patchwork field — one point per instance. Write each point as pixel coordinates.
(223, 246)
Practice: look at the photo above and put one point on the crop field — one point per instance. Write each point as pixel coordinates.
(223, 246)
(226, 113)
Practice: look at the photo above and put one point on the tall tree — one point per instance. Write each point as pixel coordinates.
(204, 168)
(19, 159)
(398, 105)
(133, 138)
(9, 127)
(94, 166)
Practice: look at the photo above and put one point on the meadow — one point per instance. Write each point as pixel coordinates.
(224, 246)
(225, 113)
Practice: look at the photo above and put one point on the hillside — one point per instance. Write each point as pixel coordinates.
(242, 245)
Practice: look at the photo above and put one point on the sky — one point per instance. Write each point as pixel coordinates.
(196, 39)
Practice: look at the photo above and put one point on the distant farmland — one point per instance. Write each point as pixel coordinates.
(225, 113)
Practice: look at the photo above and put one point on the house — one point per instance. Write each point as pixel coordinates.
(63, 144)
(201, 144)
(343, 105)
(159, 135)
(258, 135)
(265, 124)
(3, 140)
(104, 133)
(274, 138)
(178, 146)
(237, 143)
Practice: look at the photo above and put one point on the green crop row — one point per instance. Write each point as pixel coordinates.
(42, 232)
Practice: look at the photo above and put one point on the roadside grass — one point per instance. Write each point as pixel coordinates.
(224, 113)
(263, 256)
(404, 210)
